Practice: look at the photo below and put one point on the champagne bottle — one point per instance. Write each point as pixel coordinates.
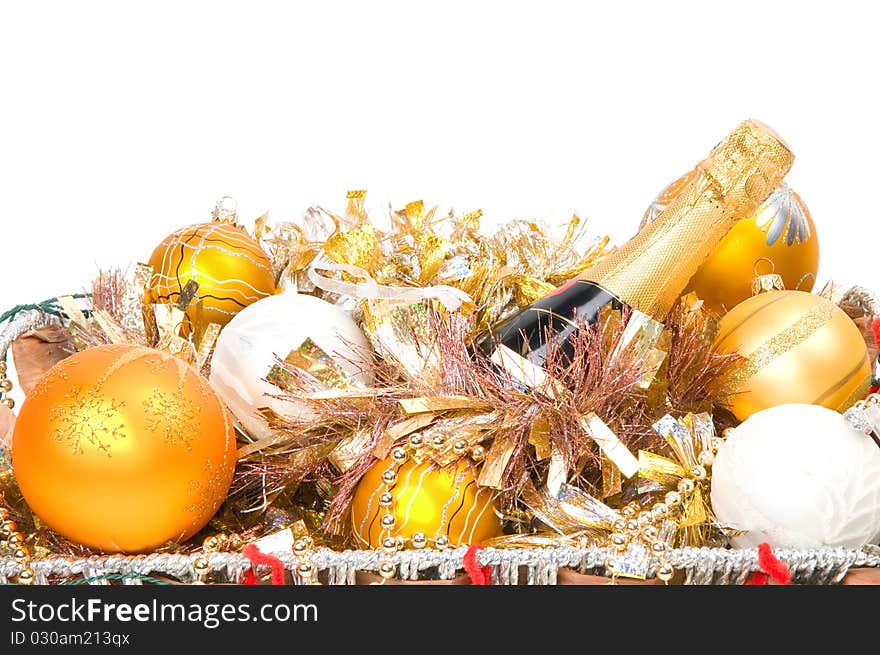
(649, 272)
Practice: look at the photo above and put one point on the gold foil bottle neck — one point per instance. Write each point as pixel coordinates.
(650, 270)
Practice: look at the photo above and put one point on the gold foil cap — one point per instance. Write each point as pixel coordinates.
(650, 271)
(746, 165)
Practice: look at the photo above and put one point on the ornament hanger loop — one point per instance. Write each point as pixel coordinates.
(805, 276)
(769, 261)
(226, 210)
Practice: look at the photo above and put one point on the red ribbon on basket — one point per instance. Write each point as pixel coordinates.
(258, 558)
(771, 567)
(479, 575)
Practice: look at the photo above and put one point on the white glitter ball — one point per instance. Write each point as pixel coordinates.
(798, 476)
(248, 345)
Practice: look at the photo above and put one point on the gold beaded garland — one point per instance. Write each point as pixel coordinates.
(5, 387)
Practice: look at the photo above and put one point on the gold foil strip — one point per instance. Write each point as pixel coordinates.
(348, 451)
(660, 469)
(169, 319)
(557, 471)
(640, 332)
(177, 346)
(547, 510)
(266, 442)
(527, 289)
(524, 371)
(569, 511)
(686, 437)
(351, 393)
(432, 252)
(469, 428)
(496, 462)
(539, 437)
(398, 430)
(404, 333)
(586, 510)
(702, 430)
(695, 513)
(471, 220)
(207, 344)
(309, 358)
(612, 480)
(305, 457)
(640, 337)
(113, 331)
(611, 446)
(415, 213)
(74, 314)
(355, 207)
(652, 363)
(134, 303)
(436, 404)
(358, 247)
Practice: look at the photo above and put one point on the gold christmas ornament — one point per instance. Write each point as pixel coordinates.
(123, 449)
(779, 238)
(231, 269)
(422, 504)
(797, 348)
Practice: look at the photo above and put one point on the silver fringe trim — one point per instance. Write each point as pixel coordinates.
(510, 566)
(22, 323)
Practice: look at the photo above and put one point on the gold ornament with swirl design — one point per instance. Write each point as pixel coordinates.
(231, 269)
(422, 504)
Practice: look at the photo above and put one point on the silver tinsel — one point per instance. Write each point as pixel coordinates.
(702, 565)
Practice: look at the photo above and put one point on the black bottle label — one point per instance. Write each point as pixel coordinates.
(554, 317)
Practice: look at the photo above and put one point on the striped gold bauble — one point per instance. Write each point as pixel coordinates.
(231, 269)
(427, 505)
(796, 348)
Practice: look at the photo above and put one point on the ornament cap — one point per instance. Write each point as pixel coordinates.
(226, 210)
(768, 282)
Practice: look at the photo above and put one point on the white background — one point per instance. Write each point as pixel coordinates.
(123, 121)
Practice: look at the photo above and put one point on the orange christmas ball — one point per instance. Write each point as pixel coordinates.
(779, 238)
(123, 448)
(231, 269)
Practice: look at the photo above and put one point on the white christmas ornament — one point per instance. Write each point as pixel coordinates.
(275, 326)
(798, 476)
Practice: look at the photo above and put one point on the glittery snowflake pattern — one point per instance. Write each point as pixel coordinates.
(208, 495)
(50, 378)
(88, 420)
(173, 418)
